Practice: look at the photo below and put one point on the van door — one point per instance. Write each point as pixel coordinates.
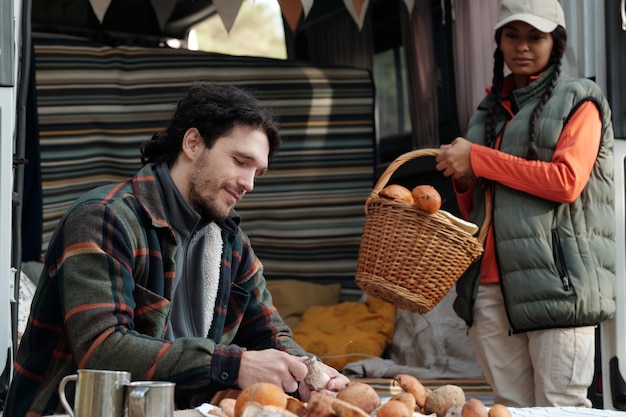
(613, 332)
(10, 67)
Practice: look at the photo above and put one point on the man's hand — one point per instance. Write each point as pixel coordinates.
(271, 365)
(337, 382)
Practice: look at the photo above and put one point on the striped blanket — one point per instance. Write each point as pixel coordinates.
(97, 103)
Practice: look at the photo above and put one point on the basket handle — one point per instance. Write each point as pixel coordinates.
(401, 160)
(397, 163)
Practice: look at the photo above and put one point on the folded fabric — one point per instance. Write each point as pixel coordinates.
(293, 297)
(347, 332)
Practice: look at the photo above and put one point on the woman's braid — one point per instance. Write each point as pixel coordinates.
(494, 108)
(560, 40)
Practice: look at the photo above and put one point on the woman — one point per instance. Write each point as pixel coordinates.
(538, 155)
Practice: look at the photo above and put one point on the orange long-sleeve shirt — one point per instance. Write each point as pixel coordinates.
(560, 180)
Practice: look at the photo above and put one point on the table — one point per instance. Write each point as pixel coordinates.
(515, 412)
(179, 413)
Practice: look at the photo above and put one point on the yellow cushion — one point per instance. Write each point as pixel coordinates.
(357, 330)
(292, 297)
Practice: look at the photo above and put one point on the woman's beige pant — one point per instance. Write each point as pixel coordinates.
(540, 368)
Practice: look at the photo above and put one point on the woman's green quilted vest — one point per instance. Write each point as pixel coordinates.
(556, 261)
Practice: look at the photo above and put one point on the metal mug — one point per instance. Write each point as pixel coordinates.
(99, 393)
(150, 399)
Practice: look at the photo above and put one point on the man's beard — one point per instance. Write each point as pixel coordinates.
(207, 208)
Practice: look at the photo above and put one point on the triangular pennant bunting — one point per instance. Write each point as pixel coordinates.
(359, 17)
(227, 10)
(163, 10)
(100, 8)
(306, 5)
(292, 10)
(358, 6)
(409, 6)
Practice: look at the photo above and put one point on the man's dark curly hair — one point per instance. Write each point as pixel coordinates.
(213, 109)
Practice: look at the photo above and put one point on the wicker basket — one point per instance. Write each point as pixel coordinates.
(409, 257)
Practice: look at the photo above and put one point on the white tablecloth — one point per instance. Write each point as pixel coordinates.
(563, 411)
(522, 412)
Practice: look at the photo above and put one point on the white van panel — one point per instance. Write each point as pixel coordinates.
(9, 30)
(613, 332)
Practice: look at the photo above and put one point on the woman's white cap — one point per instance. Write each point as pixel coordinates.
(544, 15)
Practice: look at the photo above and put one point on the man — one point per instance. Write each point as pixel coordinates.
(154, 275)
